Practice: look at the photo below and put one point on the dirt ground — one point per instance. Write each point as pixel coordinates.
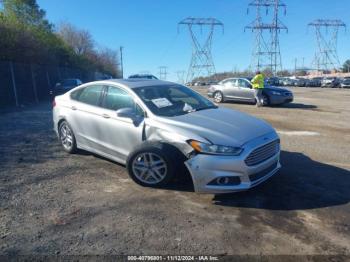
(54, 203)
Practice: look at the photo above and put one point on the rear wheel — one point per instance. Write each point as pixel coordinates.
(67, 137)
(218, 97)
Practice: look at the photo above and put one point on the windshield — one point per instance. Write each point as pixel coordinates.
(172, 100)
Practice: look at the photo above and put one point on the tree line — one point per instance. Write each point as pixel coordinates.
(28, 37)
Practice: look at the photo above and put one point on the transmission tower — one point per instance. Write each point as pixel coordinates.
(326, 57)
(266, 51)
(202, 63)
(163, 72)
(181, 76)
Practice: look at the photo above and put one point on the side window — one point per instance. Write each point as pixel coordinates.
(90, 95)
(234, 82)
(243, 83)
(117, 98)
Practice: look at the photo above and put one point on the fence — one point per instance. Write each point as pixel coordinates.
(23, 84)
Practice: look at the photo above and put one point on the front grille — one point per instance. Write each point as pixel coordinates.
(263, 153)
(263, 173)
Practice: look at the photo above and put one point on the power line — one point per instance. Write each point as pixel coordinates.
(326, 56)
(163, 72)
(266, 52)
(202, 63)
(181, 76)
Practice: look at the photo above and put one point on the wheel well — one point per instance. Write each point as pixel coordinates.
(59, 122)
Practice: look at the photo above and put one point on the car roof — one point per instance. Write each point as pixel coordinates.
(135, 83)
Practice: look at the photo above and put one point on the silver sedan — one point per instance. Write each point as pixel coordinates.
(240, 89)
(155, 128)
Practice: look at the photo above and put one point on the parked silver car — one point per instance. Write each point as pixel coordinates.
(240, 89)
(154, 127)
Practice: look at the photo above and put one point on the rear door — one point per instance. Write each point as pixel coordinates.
(85, 115)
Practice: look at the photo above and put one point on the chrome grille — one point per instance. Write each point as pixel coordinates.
(263, 153)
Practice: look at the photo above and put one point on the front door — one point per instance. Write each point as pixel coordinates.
(119, 135)
(245, 91)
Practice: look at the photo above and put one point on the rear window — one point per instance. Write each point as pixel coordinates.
(89, 95)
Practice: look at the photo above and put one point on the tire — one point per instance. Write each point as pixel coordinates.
(218, 97)
(156, 174)
(265, 100)
(67, 137)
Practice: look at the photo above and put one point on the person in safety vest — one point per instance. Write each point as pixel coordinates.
(258, 86)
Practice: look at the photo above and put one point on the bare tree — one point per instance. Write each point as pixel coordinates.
(80, 40)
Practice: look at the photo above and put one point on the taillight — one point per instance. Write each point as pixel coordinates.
(54, 103)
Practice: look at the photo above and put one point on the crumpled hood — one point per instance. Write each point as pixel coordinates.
(220, 126)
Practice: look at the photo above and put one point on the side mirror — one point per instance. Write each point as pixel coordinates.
(126, 112)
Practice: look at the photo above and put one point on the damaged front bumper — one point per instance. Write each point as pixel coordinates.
(217, 174)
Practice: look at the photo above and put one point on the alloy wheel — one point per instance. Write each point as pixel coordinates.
(66, 136)
(149, 168)
(218, 97)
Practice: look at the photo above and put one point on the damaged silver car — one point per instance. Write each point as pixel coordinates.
(155, 127)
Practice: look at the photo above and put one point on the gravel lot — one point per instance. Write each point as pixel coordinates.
(55, 203)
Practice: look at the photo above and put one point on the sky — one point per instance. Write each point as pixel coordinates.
(148, 30)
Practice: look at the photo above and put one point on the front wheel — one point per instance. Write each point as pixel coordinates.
(151, 166)
(218, 97)
(265, 100)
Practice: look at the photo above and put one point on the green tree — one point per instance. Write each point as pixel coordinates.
(26, 12)
(346, 66)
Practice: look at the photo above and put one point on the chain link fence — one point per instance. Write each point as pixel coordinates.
(24, 84)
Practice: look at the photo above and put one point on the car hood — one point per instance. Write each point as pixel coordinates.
(274, 88)
(220, 126)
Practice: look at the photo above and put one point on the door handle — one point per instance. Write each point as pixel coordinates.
(106, 116)
(73, 108)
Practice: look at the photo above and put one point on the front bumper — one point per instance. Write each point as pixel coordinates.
(206, 168)
(276, 100)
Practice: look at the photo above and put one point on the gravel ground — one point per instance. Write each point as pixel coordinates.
(54, 203)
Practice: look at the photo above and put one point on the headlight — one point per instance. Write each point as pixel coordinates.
(215, 149)
(276, 93)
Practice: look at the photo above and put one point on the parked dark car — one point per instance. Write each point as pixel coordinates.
(64, 86)
(315, 82)
(273, 81)
(143, 76)
(240, 89)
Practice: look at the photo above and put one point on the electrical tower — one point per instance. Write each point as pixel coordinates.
(326, 57)
(202, 63)
(163, 72)
(181, 76)
(266, 51)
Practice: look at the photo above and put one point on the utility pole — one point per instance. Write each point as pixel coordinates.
(295, 66)
(121, 62)
(266, 52)
(163, 72)
(326, 56)
(202, 63)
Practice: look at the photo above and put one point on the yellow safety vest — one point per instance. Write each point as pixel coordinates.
(258, 81)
